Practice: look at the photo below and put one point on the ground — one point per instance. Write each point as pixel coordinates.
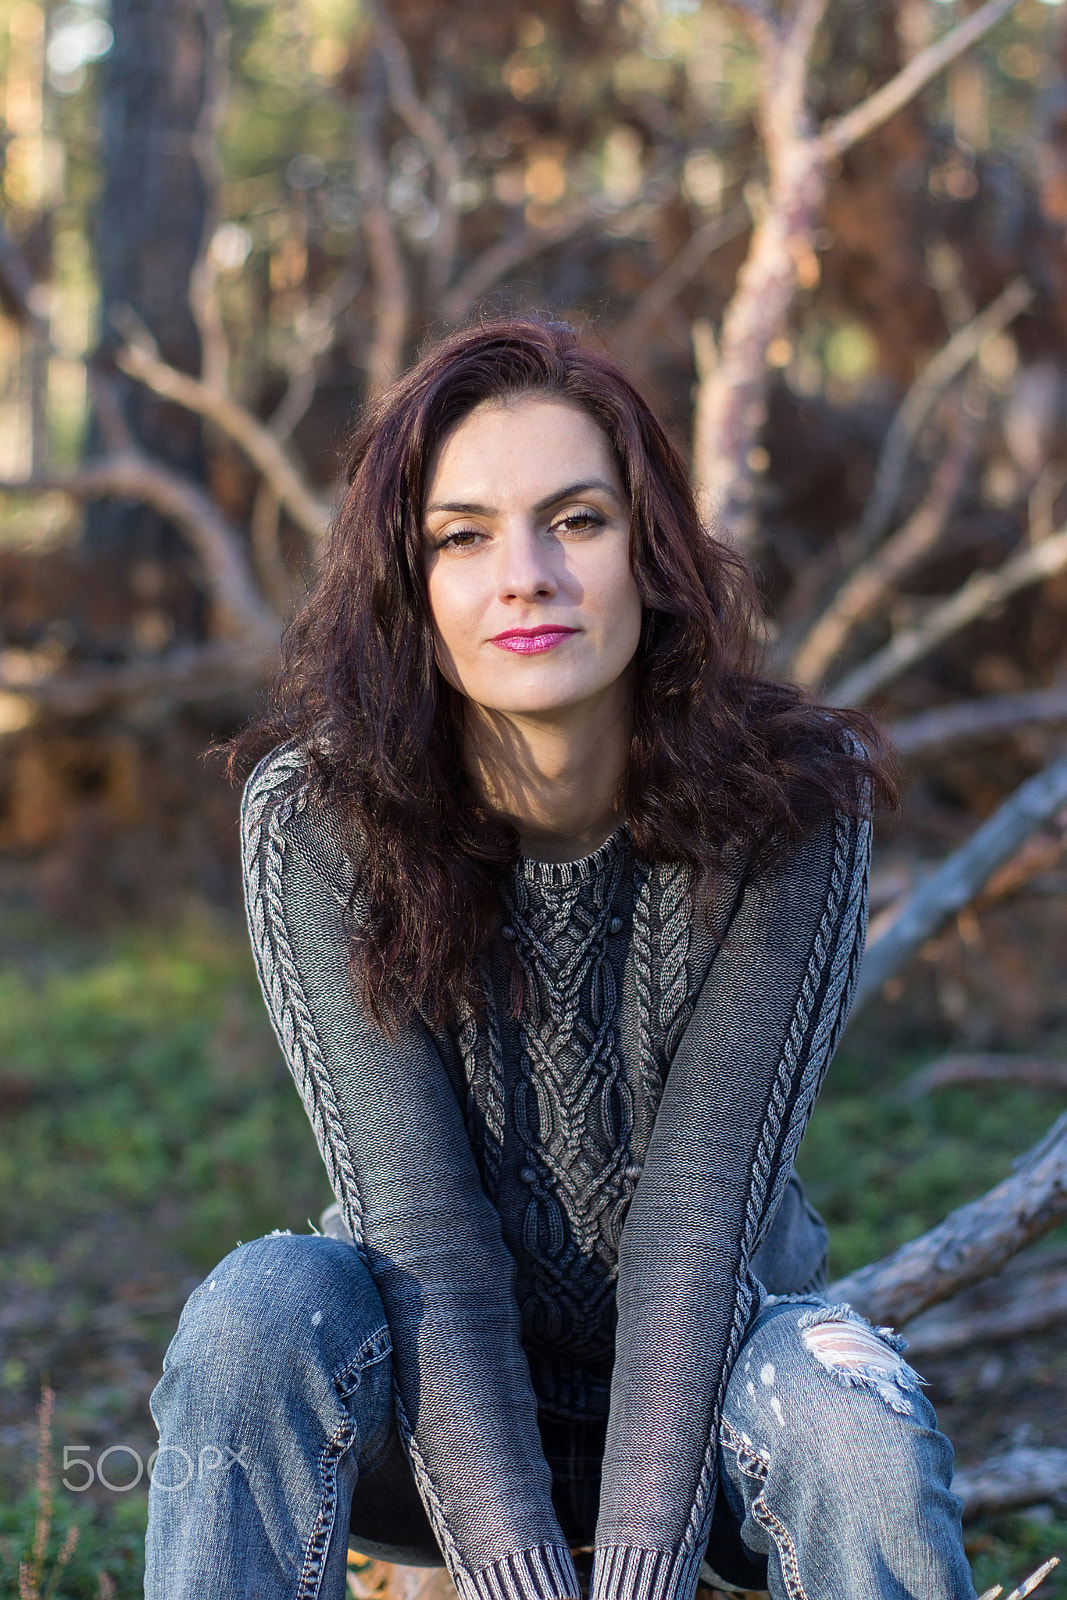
(150, 1124)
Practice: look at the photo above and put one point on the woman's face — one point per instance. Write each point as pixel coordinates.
(526, 549)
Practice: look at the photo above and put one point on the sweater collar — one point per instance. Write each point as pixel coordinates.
(564, 874)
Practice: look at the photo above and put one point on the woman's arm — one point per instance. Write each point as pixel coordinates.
(393, 1140)
(738, 1095)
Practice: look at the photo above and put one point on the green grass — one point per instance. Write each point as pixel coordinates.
(882, 1169)
(152, 1125)
(152, 1085)
(148, 1103)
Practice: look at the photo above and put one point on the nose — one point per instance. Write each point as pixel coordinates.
(525, 570)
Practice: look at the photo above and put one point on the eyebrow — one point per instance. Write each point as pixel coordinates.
(470, 508)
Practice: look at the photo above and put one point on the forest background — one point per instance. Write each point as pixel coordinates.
(830, 239)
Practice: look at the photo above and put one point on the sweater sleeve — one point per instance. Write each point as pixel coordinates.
(398, 1157)
(739, 1090)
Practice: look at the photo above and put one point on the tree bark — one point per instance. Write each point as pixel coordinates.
(148, 231)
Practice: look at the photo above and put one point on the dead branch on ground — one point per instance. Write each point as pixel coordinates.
(930, 733)
(948, 1072)
(956, 882)
(1025, 1476)
(970, 1244)
(1012, 1305)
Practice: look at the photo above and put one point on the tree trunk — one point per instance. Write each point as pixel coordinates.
(148, 232)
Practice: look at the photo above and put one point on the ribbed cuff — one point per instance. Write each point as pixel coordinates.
(544, 1573)
(623, 1572)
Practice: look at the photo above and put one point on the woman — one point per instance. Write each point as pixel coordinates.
(558, 908)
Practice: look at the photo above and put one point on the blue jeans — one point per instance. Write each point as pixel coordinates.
(278, 1444)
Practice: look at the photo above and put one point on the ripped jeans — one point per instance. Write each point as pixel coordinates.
(278, 1445)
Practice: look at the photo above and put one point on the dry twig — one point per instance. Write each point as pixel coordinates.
(139, 359)
(962, 348)
(872, 583)
(981, 594)
(1031, 1305)
(431, 135)
(682, 269)
(931, 732)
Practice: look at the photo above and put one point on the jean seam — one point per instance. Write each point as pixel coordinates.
(377, 1347)
(761, 1511)
(329, 1460)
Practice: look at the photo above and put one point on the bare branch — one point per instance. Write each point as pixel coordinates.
(976, 598)
(132, 476)
(680, 270)
(430, 134)
(266, 452)
(795, 50)
(845, 131)
(1025, 1476)
(392, 297)
(869, 586)
(932, 381)
(1027, 1297)
(264, 530)
(930, 732)
(781, 257)
(971, 1243)
(1036, 1072)
(183, 676)
(956, 881)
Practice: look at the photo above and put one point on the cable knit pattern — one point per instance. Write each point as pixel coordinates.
(276, 792)
(571, 1105)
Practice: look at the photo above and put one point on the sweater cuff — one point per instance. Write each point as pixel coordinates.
(623, 1572)
(544, 1573)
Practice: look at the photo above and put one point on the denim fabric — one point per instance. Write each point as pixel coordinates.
(279, 1443)
(753, 1041)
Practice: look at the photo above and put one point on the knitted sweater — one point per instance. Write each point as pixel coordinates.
(561, 1212)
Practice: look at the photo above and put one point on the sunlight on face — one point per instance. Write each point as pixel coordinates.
(526, 535)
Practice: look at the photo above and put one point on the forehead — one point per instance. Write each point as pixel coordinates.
(526, 446)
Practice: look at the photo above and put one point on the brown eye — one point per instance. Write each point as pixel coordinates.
(580, 521)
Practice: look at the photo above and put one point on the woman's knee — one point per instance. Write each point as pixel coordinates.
(819, 1383)
(283, 1302)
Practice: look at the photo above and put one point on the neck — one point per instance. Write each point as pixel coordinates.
(555, 779)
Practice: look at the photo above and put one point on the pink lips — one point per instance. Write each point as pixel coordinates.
(532, 641)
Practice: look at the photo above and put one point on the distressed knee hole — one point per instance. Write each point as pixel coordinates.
(845, 1344)
(859, 1355)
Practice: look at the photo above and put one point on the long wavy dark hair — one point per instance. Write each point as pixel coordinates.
(721, 758)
